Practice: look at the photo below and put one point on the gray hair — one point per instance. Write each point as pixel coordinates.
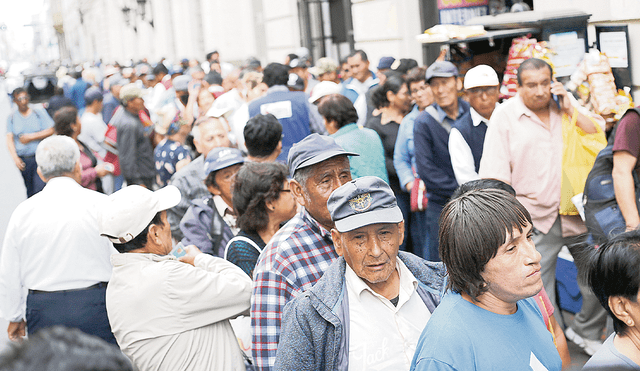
(57, 155)
(196, 131)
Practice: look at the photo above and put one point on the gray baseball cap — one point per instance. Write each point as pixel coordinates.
(314, 149)
(441, 69)
(222, 157)
(361, 202)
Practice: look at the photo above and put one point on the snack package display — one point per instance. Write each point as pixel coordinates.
(595, 85)
(522, 48)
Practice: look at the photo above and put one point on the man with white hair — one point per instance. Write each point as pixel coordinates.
(208, 133)
(466, 140)
(53, 249)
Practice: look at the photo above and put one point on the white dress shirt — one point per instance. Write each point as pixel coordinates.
(383, 336)
(52, 243)
(462, 161)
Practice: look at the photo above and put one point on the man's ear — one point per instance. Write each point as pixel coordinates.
(213, 190)
(337, 242)
(298, 192)
(41, 176)
(401, 232)
(459, 83)
(153, 234)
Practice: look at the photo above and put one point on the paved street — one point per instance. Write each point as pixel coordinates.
(13, 190)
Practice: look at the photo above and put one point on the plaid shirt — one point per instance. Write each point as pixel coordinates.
(295, 258)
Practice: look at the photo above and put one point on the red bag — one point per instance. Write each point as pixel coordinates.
(419, 199)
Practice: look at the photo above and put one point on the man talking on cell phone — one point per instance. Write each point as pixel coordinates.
(523, 147)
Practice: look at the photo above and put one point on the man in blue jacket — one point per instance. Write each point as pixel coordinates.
(431, 141)
(371, 305)
(292, 108)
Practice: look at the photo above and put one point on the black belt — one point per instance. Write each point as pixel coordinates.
(98, 285)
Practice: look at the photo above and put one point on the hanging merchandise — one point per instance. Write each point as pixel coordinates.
(522, 48)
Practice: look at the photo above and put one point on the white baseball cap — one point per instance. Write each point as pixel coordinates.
(322, 89)
(129, 211)
(481, 75)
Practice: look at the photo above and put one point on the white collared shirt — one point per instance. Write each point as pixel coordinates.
(52, 243)
(462, 161)
(383, 336)
(226, 213)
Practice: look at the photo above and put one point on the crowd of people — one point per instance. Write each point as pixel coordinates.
(204, 216)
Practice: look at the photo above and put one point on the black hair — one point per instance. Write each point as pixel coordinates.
(338, 108)
(405, 64)
(360, 52)
(614, 270)
(61, 348)
(483, 184)
(275, 74)
(58, 90)
(262, 135)
(415, 75)
(160, 69)
(213, 78)
(256, 184)
(393, 83)
(139, 241)
(63, 119)
(472, 228)
(18, 91)
(532, 64)
(209, 55)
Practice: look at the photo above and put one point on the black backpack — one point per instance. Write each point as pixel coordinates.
(603, 217)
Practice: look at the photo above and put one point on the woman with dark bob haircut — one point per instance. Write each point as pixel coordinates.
(340, 119)
(488, 319)
(614, 277)
(263, 201)
(67, 122)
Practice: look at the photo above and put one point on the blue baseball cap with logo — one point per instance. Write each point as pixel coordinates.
(441, 69)
(220, 158)
(361, 202)
(314, 149)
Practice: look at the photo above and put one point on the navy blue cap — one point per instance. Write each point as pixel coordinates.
(361, 202)
(221, 157)
(385, 63)
(314, 149)
(441, 69)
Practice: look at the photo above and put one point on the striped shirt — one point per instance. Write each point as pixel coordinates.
(295, 258)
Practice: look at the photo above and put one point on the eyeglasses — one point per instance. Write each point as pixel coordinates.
(285, 190)
(483, 89)
(20, 99)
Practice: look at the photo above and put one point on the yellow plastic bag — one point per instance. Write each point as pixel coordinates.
(578, 155)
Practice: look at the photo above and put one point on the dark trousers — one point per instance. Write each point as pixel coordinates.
(30, 175)
(404, 203)
(420, 234)
(432, 216)
(82, 309)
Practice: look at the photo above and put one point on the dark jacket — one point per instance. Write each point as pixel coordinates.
(315, 325)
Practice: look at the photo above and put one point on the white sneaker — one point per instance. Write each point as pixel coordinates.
(587, 345)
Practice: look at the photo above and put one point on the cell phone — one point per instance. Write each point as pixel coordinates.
(556, 99)
(178, 250)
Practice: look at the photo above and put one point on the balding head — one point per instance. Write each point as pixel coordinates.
(209, 133)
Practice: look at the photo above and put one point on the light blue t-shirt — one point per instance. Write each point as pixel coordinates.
(608, 358)
(17, 124)
(367, 144)
(462, 336)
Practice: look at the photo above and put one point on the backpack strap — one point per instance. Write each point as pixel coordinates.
(217, 226)
(243, 239)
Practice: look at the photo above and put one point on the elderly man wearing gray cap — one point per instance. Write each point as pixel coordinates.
(431, 141)
(369, 308)
(297, 256)
(134, 146)
(168, 313)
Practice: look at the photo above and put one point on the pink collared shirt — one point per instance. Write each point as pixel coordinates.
(519, 149)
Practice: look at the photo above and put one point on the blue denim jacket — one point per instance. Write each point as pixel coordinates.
(315, 325)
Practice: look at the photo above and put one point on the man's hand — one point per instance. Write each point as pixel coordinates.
(25, 138)
(563, 97)
(19, 163)
(101, 170)
(16, 330)
(190, 257)
(194, 88)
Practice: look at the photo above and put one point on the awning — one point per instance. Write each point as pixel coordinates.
(489, 36)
